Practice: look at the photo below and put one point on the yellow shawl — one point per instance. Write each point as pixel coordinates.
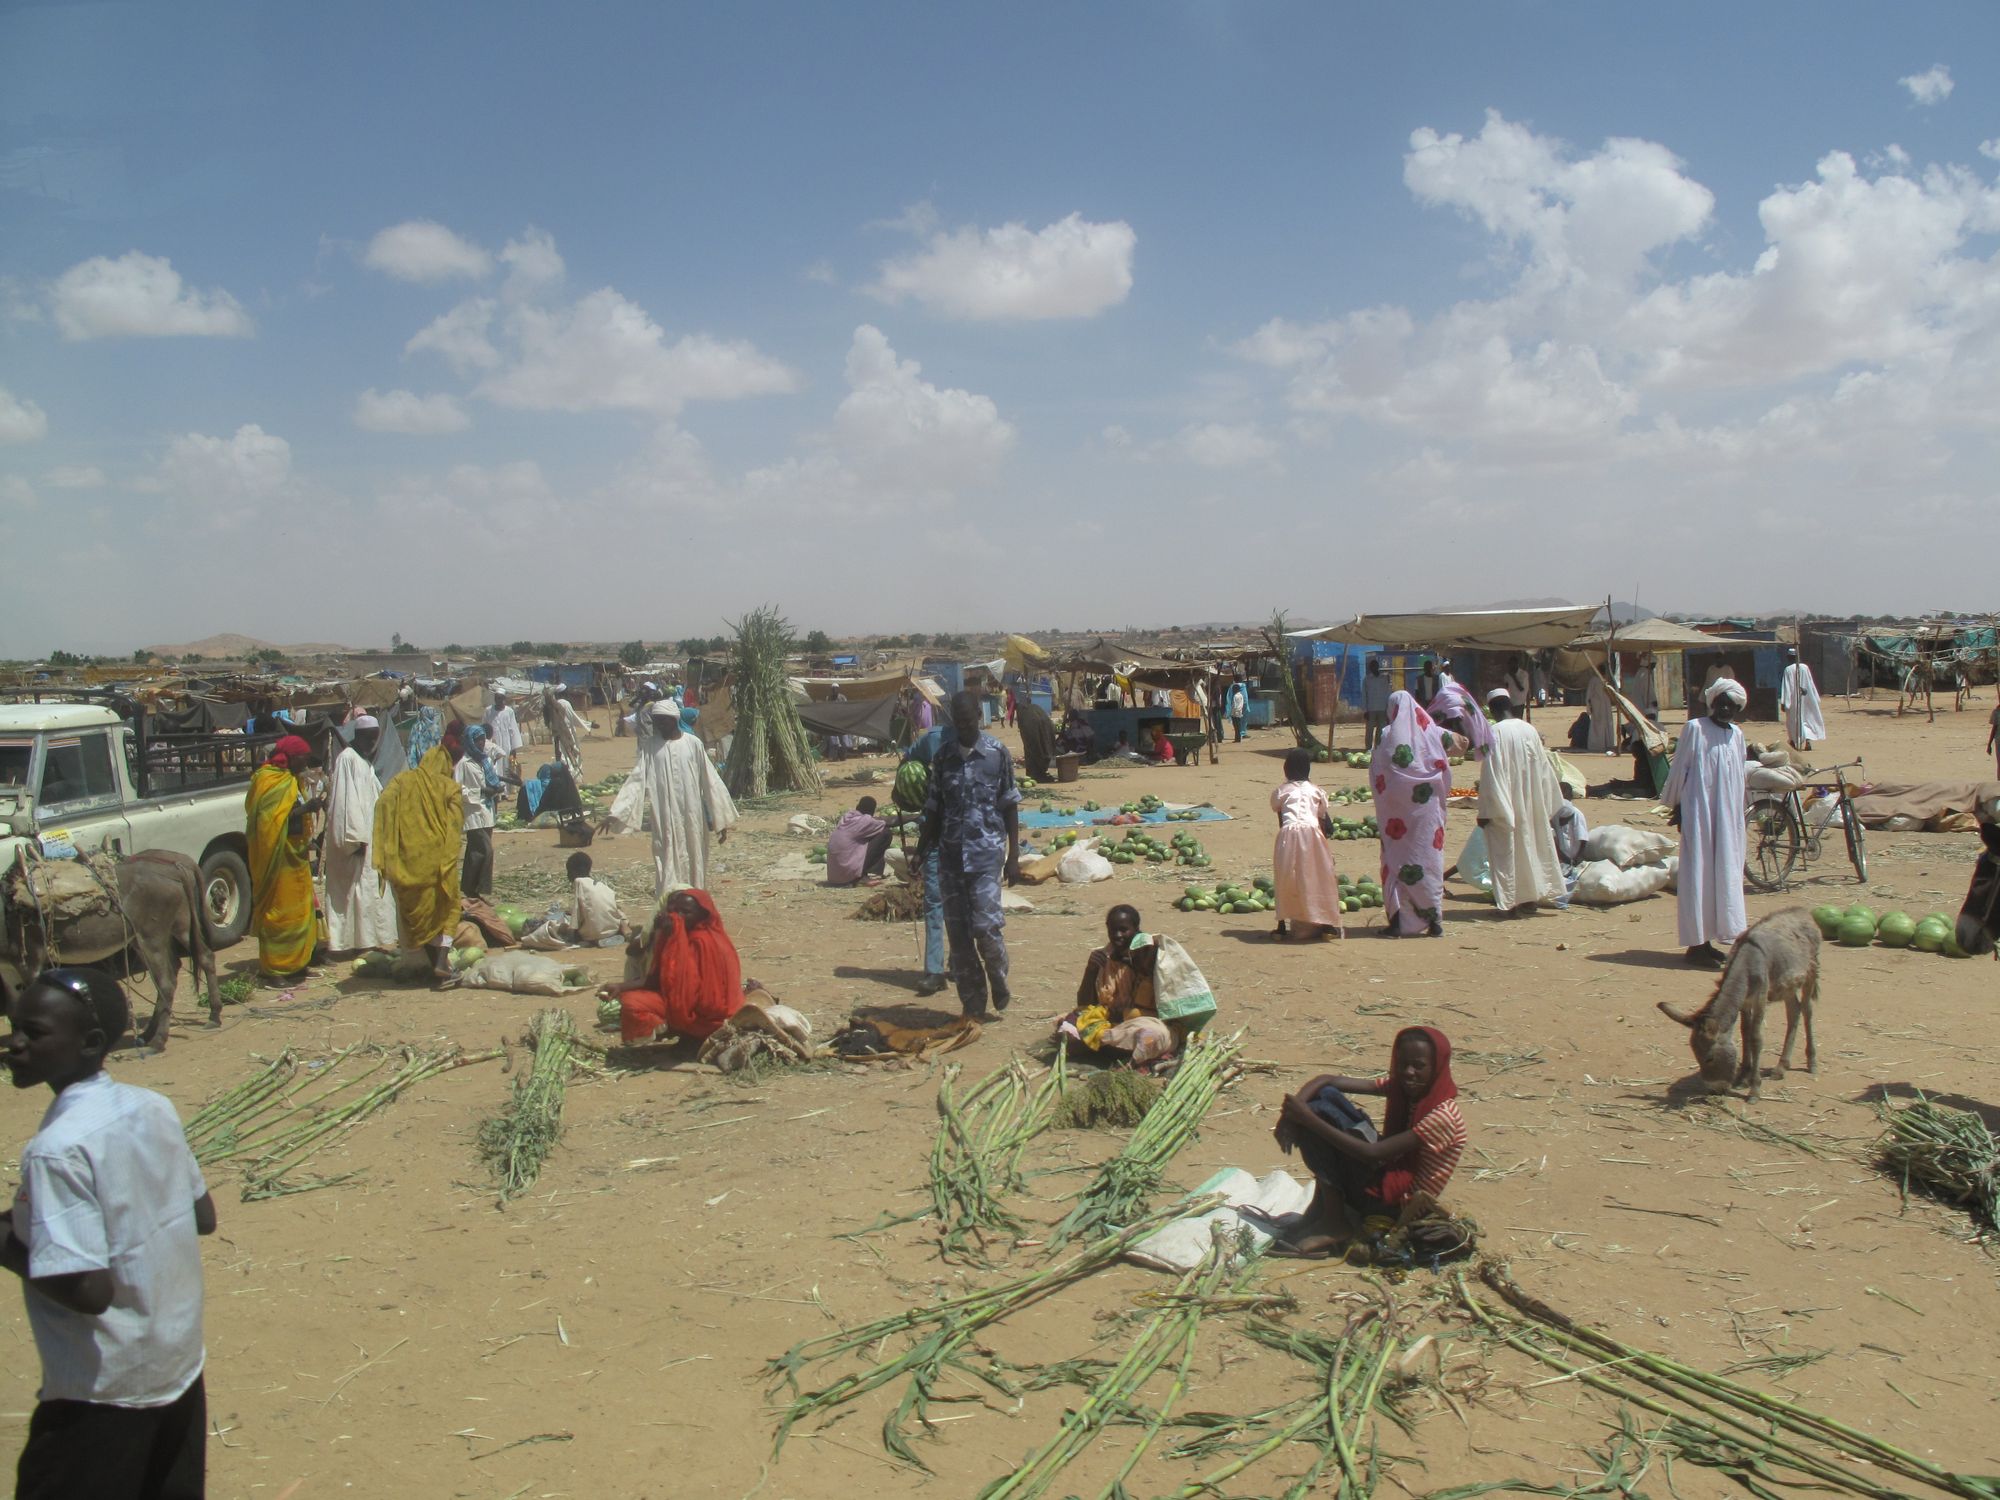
(281, 889)
(419, 832)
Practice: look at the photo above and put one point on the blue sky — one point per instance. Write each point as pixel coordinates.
(323, 322)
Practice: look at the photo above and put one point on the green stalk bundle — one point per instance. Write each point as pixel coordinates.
(1169, 1334)
(1718, 1423)
(769, 751)
(290, 1111)
(976, 1157)
(1352, 1370)
(941, 1334)
(517, 1141)
(1123, 1184)
(1948, 1152)
(1296, 712)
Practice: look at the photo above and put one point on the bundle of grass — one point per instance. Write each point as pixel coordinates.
(769, 752)
(976, 1158)
(1296, 712)
(1114, 1097)
(516, 1141)
(1947, 1152)
(1118, 1193)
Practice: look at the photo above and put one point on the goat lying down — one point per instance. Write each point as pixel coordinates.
(1776, 960)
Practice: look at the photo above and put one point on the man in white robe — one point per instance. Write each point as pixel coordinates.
(1798, 702)
(1603, 717)
(1706, 792)
(1519, 797)
(569, 729)
(503, 729)
(676, 784)
(360, 911)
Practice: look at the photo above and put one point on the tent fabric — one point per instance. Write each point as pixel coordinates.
(869, 718)
(1647, 635)
(1493, 629)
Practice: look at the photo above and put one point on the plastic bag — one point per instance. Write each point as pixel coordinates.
(1628, 848)
(524, 974)
(1473, 866)
(1602, 883)
(1083, 865)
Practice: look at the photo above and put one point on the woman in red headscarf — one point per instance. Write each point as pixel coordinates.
(1359, 1174)
(281, 888)
(692, 982)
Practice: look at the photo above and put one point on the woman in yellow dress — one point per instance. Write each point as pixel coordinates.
(281, 888)
(419, 833)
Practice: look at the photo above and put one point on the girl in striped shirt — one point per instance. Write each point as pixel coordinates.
(1358, 1173)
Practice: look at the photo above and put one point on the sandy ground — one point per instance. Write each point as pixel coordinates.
(606, 1335)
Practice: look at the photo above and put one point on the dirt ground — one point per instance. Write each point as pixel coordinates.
(400, 1334)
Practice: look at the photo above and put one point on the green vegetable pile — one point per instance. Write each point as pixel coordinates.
(1241, 900)
(1138, 846)
(1859, 926)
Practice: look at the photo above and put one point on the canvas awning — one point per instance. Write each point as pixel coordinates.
(1647, 635)
(868, 718)
(1487, 629)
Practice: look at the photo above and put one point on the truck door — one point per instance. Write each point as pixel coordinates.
(80, 793)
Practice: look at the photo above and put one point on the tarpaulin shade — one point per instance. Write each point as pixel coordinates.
(1490, 629)
(870, 718)
(1648, 635)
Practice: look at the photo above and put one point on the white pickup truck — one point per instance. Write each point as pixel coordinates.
(80, 773)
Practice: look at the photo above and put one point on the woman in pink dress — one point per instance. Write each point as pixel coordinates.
(1411, 774)
(1302, 863)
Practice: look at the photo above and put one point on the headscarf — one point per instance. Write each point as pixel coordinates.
(454, 739)
(1411, 748)
(699, 977)
(1399, 1182)
(1454, 702)
(290, 753)
(1729, 686)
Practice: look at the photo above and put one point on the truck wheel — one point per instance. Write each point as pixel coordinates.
(225, 887)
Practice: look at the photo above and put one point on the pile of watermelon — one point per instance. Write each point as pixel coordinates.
(1235, 900)
(1138, 846)
(1360, 895)
(1346, 830)
(1859, 926)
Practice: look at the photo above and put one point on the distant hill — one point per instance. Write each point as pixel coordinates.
(232, 647)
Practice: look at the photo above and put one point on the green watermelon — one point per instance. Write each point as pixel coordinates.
(913, 779)
(1896, 929)
(1828, 918)
(1930, 935)
(1857, 929)
(1857, 911)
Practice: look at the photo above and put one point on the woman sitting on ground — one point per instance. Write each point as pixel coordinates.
(690, 979)
(1140, 998)
(1359, 1175)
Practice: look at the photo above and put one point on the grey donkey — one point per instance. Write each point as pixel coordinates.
(1776, 960)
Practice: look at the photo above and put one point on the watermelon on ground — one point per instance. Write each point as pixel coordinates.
(1896, 929)
(1930, 936)
(1828, 918)
(1857, 929)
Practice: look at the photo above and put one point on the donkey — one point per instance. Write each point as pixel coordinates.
(1776, 960)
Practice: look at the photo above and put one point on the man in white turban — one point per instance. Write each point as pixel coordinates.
(1706, 792)
(1519, 797)
(360, 911)
(1798, 704)
(675, 782)
(503, 727)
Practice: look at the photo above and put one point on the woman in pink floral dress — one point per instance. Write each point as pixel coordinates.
(1411, 775)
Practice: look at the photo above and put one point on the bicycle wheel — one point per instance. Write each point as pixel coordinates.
(1857, 844)
(1772, 843)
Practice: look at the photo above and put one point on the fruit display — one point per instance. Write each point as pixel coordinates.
(816, 855)
(1858, 926)
(1143, 848)
(1364, 894)
(1241, 900)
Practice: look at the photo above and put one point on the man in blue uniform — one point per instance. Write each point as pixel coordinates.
(972, 822)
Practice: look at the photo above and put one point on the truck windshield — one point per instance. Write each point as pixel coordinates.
(15, 758)
(76, 773)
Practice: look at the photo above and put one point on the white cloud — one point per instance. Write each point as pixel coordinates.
(140, 296)
(898, 429)
(495, 508)
(425, 251)
(460, 337)
(1225, 445)
(1932, 86)
(16, 493)
(605, 353)
(1990, 149)
(227, 479)
(821, 273)
(533, 265)
(21, 421)
(1071, 269)
(407, 412)
(74, 477)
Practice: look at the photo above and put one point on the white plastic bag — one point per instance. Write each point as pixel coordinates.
(524, 974)
(1628, 848)
(1252, 1206)
(1602, 883)
(1773, 778)
(807, 825)
(1083, 865)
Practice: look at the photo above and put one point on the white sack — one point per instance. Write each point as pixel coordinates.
(1628, 847)
(1602, 883)
(1083, 865)
(524, 974)
(1251, 1206)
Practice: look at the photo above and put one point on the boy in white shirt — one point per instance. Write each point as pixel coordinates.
(595, 917)
(104, 1234)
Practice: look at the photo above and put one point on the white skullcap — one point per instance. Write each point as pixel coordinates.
(1730, 686)
(652, 687)
(1499, 692)
(367, 721)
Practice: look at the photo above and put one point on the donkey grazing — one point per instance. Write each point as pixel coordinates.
(1778, 959)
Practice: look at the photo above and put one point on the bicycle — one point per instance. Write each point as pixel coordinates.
(1782, 831)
